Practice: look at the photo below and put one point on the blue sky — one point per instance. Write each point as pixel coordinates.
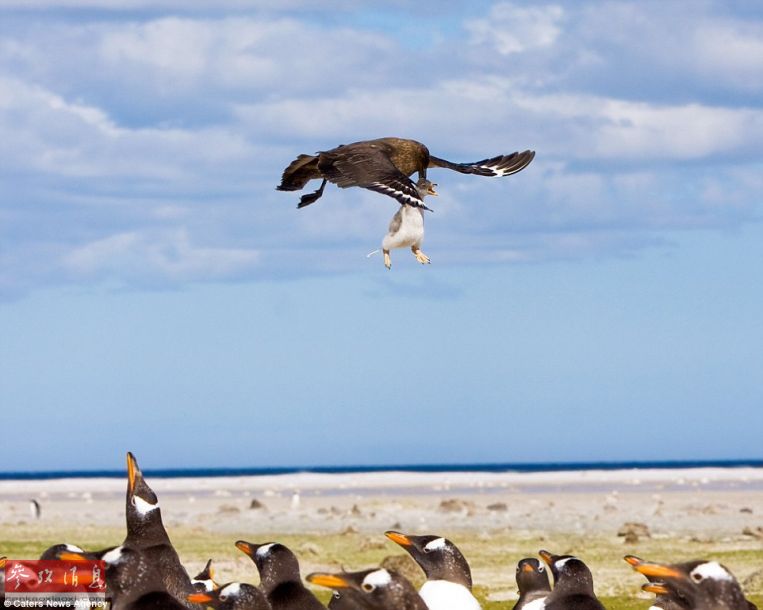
(158, 295)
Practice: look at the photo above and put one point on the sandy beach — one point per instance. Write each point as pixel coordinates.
(496, 518)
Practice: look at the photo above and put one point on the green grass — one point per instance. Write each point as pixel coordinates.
(493, 557)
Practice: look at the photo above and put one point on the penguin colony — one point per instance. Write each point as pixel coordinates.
(145, 573)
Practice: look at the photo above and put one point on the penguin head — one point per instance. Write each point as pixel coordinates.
(55, 551)
(437, 556)
(232, 596)
(695, 584)
(570, 573)
(532, 576)
(346, 599)
(376, 588)
(274, 561)
(205, 580)
(142, 509)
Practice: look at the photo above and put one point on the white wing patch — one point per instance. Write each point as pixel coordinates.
(396, 193)
(378, 578)
(713, 570)
(496, 171)
(143, 507)
(437, 543)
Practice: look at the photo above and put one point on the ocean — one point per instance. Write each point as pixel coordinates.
(502, 467)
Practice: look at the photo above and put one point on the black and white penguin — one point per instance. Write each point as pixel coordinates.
(131, 582)
(205, 580)
(532, 581)
(54, 552)
(573, 584)
(346, 599)
(232, 596)
(146, 534)
(667, 598)
(279, 576)
(406, 229)
(375, 589)
(704, 585)
(449, 578)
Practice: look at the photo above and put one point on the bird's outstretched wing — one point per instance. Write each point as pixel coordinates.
(369, 167)
(502, 165)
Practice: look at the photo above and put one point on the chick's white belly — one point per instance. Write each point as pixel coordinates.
(409, 233)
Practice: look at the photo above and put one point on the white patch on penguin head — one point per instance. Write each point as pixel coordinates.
(142, 506)
(264, 550)
(436, 544)
(208, 584)
(560, 563)
(712, 570)
(113, 556)
(377, 578)
(73, 549)
(231, 589)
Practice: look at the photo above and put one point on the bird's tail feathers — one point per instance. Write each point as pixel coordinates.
(299, 172)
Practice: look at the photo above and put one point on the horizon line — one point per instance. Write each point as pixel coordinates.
(222, 471)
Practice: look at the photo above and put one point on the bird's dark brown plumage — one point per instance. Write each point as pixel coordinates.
(384, 166)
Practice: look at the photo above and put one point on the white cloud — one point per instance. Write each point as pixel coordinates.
(167, 255)
(510, 28)
(145, 148)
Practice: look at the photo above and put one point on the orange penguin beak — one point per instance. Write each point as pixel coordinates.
(656, 570)
(330, 581)
(199, 598)
(132, 471)
(399, 538)
(547, 557)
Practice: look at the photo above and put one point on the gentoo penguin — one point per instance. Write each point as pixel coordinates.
(375, 589)
(406, 229)
(667, 598)
(54, 551)
(532, 581)
(279, 576)
(232, 596)
(205, 580)
(35, 509)
(146, 535)
(705, 585)
(449, 578)
(384, 166)
(346, 599)
(132, 583)
(573, 584)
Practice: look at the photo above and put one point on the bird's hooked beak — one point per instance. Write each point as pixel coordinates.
(430, 189)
